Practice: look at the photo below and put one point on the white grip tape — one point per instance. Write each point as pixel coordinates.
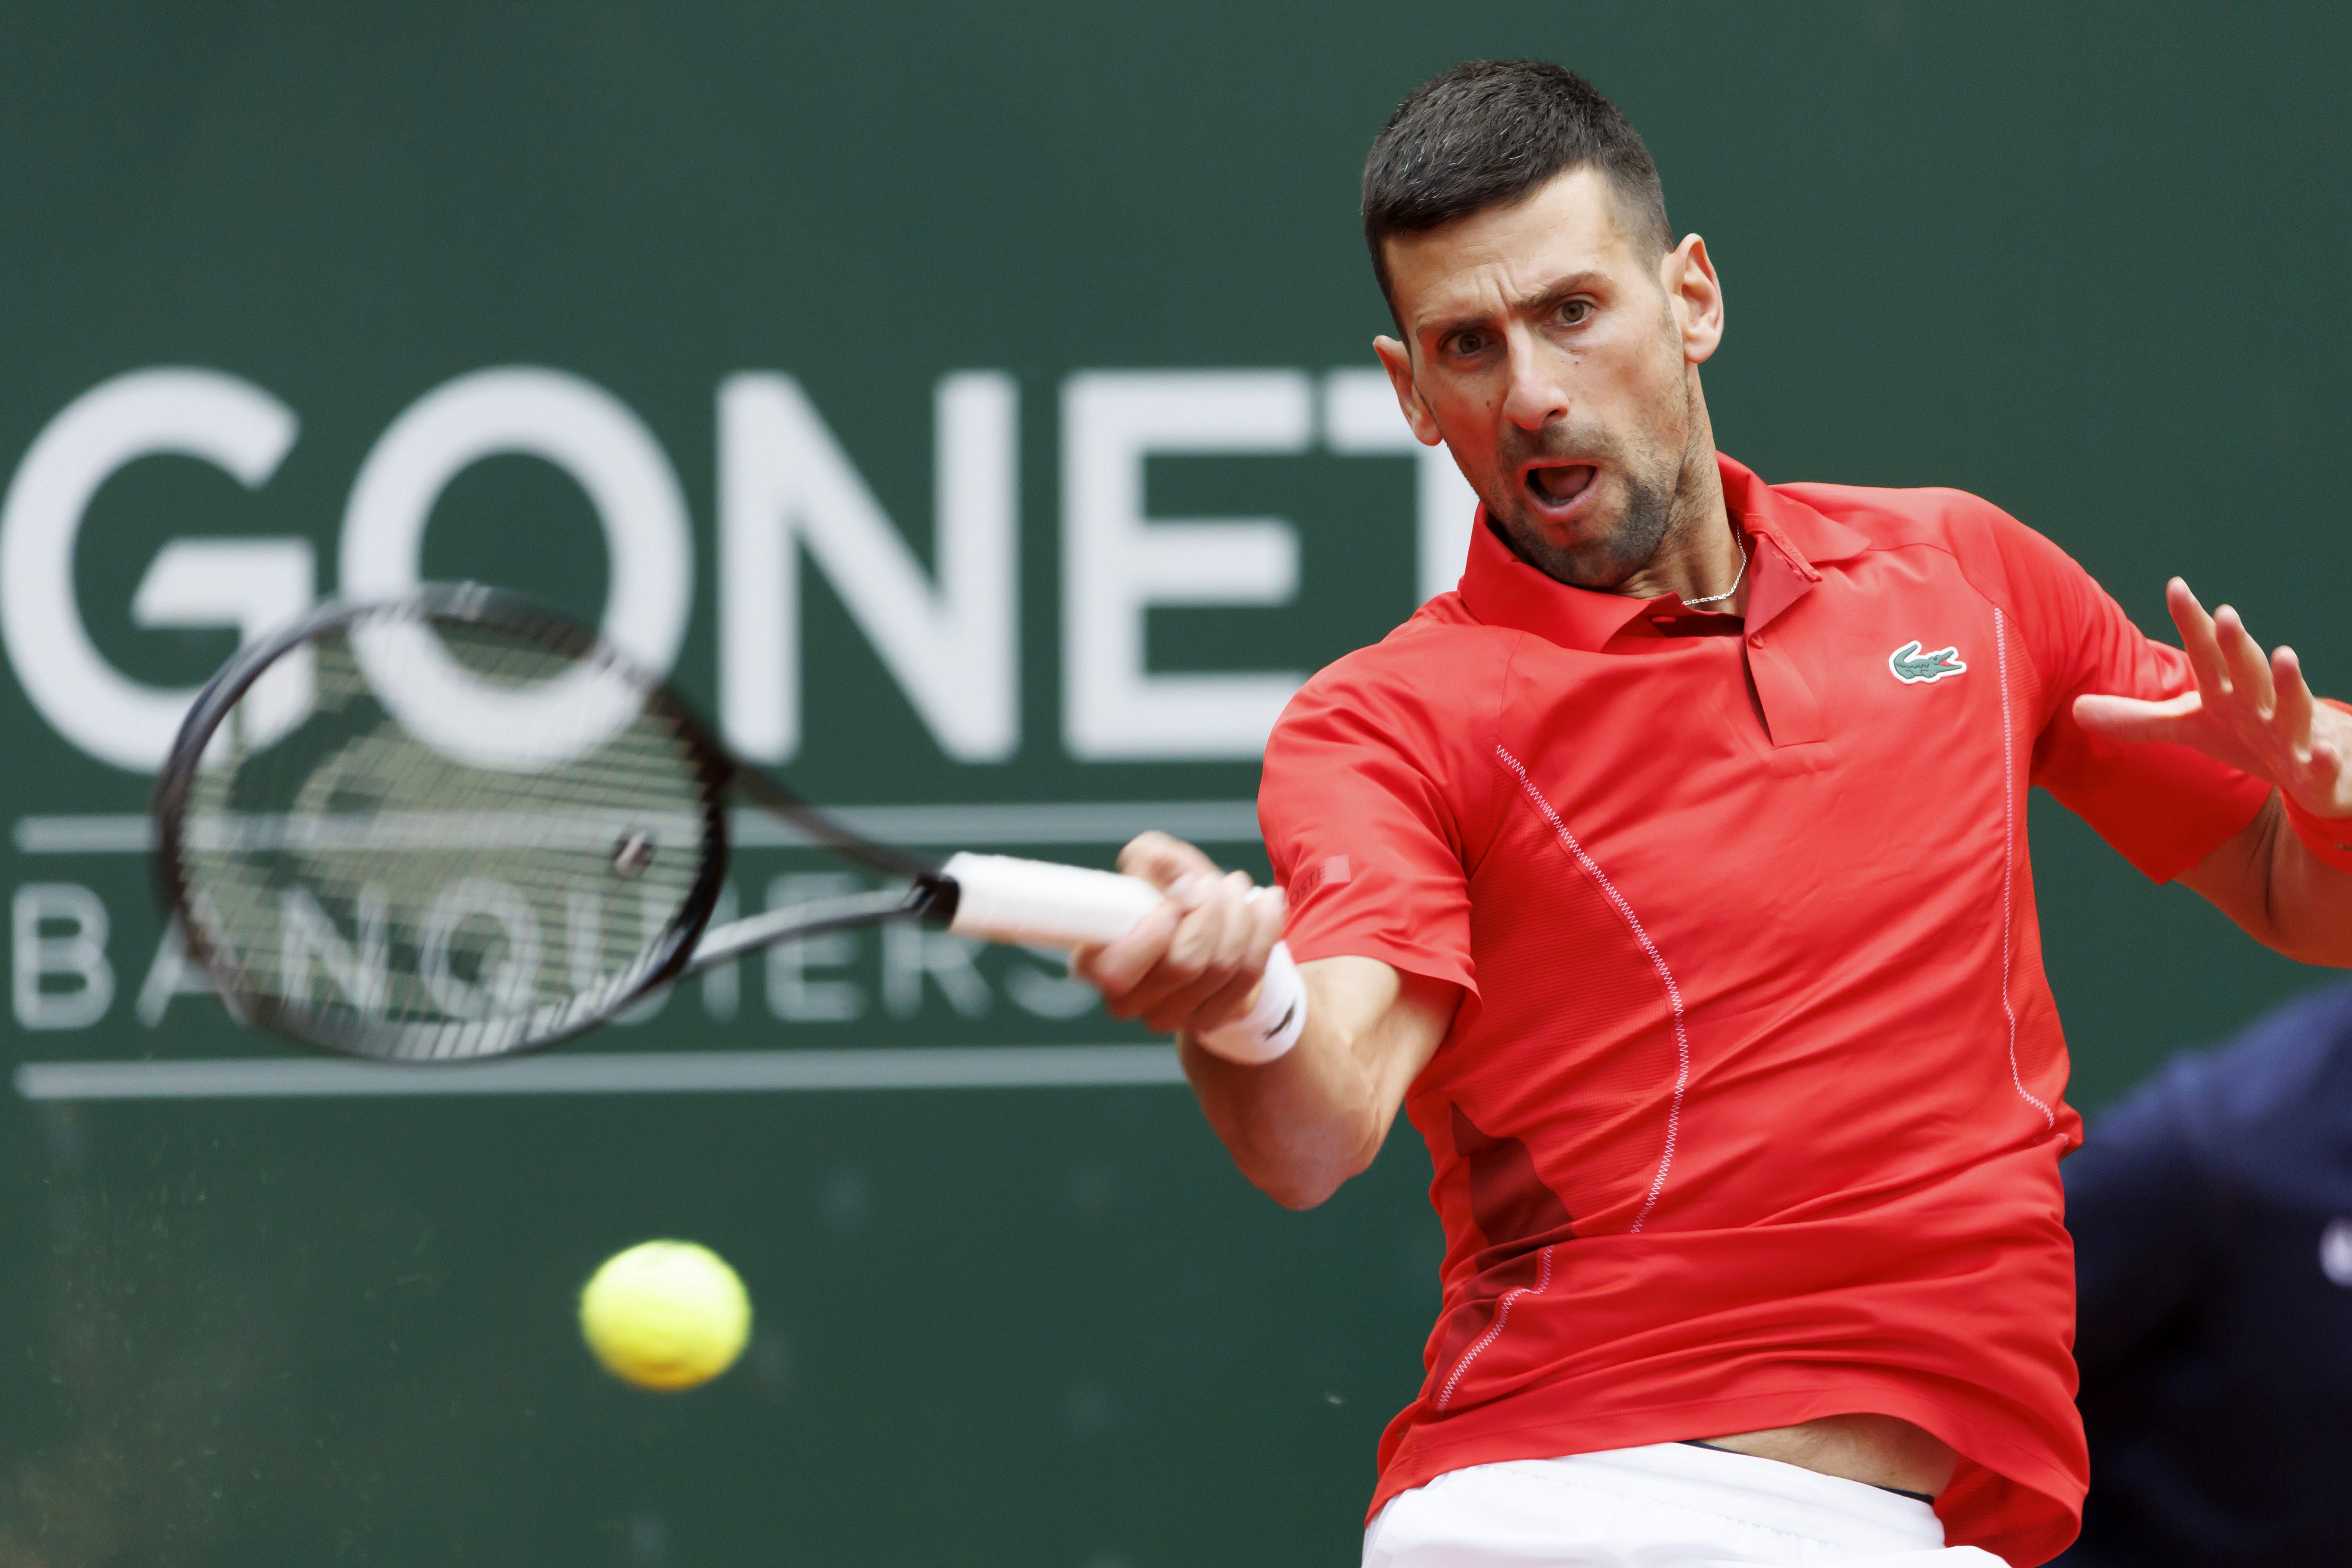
(1035, 903)
(1274, 1024)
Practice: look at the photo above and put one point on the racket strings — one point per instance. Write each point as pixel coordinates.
(434, 880)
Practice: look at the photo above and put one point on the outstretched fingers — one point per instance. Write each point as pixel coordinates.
(2253, 710)
(2293, 705)
(2197, 638)
(2249, 672)
(2304, 731)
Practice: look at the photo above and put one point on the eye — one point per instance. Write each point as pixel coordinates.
(1573, 312)
(1469, 343)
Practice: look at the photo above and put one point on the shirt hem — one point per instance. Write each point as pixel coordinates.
(1413, 960)
(1421, 1455)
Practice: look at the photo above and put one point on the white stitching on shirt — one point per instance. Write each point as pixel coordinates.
(1674, 992)
(2009, 853)
(1502, 1315)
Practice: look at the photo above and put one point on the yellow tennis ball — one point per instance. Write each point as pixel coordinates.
(666, 1314)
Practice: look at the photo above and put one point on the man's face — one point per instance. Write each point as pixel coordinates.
(1554, 360)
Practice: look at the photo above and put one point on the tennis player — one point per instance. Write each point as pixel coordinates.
(1670, 874)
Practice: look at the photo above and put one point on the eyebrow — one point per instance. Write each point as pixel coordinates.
(1574, 283)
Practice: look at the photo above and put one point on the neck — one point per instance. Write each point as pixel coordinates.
(1702, 553)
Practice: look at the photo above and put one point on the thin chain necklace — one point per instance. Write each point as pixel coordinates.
(1718, 598)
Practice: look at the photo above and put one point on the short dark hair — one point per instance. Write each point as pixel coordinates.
(1485, 135)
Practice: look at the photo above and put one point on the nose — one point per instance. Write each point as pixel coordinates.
(1537, 395)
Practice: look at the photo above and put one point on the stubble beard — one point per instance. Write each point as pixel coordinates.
(1661, 496)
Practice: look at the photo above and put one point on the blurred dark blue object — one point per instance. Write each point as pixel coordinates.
(2212, 1221)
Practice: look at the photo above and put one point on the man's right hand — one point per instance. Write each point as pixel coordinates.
(1195, 960)
(1304, 1122)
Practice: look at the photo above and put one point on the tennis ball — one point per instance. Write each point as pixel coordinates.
(666, 1314)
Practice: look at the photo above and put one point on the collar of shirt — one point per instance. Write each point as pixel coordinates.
(1502, 590)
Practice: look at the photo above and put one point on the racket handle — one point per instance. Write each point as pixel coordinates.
(1037, 903)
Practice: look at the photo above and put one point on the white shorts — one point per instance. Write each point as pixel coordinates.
(1670, 1505)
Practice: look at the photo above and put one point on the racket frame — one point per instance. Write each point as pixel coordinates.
(680, 950)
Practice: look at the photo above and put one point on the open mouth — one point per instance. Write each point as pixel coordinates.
(1557, 487)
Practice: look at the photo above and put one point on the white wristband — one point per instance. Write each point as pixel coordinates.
(1272, 1024)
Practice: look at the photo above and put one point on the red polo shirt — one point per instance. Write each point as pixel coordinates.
(1752, 1111)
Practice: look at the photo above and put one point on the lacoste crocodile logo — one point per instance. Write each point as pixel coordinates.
(1912, 668)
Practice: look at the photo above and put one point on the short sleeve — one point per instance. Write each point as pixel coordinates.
(1363, 828)
(2163, 807)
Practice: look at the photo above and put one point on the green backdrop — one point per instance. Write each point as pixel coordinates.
(2086, 260)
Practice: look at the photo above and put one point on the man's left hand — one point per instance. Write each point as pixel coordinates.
(2254, 713)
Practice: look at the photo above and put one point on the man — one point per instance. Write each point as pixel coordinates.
(2212, 1221)
(1671, 876)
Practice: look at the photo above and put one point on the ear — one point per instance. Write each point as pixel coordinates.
(1687, 275)
(1398, 363)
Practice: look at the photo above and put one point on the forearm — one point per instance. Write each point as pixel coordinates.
(2283, 895)
(1297, 1126)
(1300, 1125)
(2311, 900)
(1316, 1114)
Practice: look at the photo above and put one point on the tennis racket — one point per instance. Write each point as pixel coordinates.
(459, 825)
